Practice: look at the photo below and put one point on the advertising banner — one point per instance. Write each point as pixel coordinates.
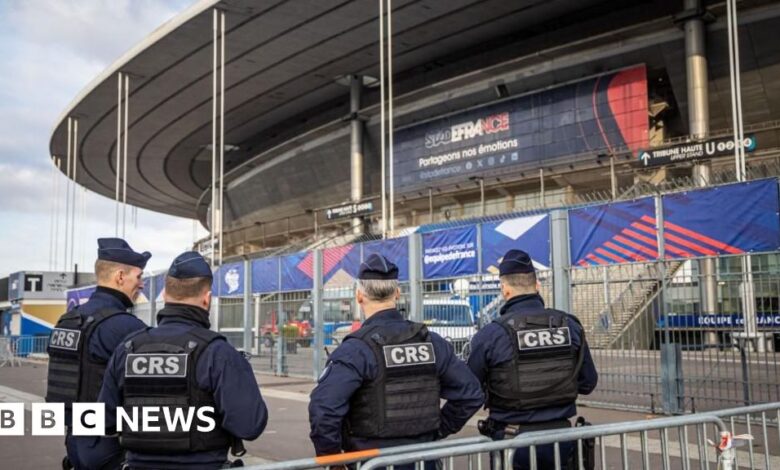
(394, 249)
(602, 113)
(530, 234)
(265, 275)
(450, 253)
(622, 232)
(340, 265)
(76, 297)
(297, 271)
(229, 280)
(731, 219)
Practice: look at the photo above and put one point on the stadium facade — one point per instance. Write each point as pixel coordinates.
(498, 107)
(597, 135)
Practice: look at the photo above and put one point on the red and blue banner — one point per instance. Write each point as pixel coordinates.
(76, 297)
(394, 249)
(530, 234)
(340, 265)
(621, 232)
(265, 275)
(731, 219)
(600, 114)
(297, 272)
(450, 253)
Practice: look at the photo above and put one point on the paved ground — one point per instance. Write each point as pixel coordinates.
(286, 436)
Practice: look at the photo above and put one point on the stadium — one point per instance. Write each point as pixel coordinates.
(632, 148)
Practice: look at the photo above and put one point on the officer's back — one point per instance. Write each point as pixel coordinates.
(214, 374)
(382, 385)
(84, 338)
(532, 361)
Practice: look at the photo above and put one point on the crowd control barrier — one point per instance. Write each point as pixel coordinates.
(736, 438)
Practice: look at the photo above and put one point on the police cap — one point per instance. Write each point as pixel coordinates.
(188, 265)
(377, 267)
(515, 262)
(118, 251)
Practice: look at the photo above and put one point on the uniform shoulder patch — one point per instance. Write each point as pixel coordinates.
(156, 365)
(63, 338)
(414, 354)
(531, 340)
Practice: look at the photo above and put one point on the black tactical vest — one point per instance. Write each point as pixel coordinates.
(545, 366)
(403, 399)
(160, 371)
(74, 375)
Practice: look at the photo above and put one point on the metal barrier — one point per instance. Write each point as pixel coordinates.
(358, 457)
(632, 445)
(633, 451)
(14, 347)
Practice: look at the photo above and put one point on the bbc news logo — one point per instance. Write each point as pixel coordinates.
(89, 419)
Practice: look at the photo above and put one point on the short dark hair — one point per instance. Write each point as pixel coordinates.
(521, 282)
(186, 288)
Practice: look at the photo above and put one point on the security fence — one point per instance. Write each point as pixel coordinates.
(677, 292)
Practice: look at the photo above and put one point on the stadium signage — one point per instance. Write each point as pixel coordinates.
(526, 131)
(692, 151)
(350, 210)
(733, 320)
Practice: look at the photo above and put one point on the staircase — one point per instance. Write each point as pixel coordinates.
(614, 303)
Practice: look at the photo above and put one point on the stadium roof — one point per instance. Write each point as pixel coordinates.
(284, 60)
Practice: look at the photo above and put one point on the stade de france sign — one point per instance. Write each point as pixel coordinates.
(692, 151)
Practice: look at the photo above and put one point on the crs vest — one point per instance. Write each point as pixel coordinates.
(74, 375)
(403, 399)
(545, 366)
(160, 371)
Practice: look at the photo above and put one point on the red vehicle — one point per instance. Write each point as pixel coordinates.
(269, 331)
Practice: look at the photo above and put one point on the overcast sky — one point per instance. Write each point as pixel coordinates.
(49, 51)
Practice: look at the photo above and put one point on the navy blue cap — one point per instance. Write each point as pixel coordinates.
(377, 267)
(118, 251)
(188, 265)
(516, 262)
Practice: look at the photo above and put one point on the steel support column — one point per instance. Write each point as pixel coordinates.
(415, 277)
(356, 148)
(318, 313)
(247, 311)
(559, 228)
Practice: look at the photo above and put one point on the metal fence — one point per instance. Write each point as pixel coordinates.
(14, 347)
(659, 345)
(744, 437)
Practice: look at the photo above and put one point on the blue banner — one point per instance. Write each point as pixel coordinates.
(622, 232)
(723, 321)
(603, 113)
(731, 219)
(229, 280)
(76, 297)
(265, 275)
(530, 234)
(394, 249)
(450, 253)
(297, 272)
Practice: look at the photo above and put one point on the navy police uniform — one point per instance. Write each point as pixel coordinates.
(212, 374)
(80, 346)
(533, 362)
(382, 386)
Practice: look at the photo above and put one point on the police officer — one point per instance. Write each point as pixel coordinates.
(381, 387)
(532, 361)
(84, 338)
(200, 370)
